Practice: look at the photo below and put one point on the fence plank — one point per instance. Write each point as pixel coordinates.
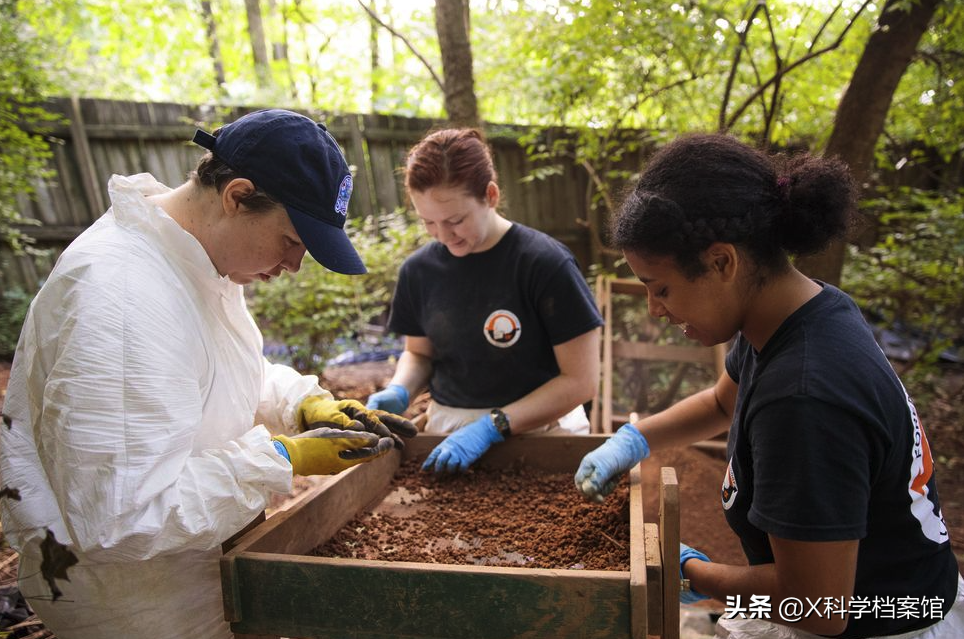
(85, 160)
(357, 155)
(385, 164)
(104, 137)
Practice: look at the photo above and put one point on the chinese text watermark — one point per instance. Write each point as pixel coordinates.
(793, 609)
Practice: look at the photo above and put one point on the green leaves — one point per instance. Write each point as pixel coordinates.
(913, 275)
(14, 303)
(24, 152)
(624, 63)
(927, 106)
(310, 310)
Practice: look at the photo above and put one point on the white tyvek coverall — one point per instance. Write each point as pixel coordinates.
(134, 396)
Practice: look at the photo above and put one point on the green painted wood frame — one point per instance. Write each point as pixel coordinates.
(272, 588)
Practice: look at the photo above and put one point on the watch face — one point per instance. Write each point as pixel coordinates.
(501, 422)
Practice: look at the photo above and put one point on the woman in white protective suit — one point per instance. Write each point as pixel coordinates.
(498, 320)
(140, 410)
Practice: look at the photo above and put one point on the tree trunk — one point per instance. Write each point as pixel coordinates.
(279, 48)
(452, 25)
(863, 109)
(213, 46)
(259, 49)
(373, 45)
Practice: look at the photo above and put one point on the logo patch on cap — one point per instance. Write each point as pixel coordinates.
(344, 194)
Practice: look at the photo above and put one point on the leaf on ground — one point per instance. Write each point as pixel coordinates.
(56, 559)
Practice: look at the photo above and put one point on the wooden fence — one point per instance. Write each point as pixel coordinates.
(102, 137)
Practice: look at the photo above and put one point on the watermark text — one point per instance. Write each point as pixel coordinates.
(793, 609)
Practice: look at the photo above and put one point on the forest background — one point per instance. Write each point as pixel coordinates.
(877, 83)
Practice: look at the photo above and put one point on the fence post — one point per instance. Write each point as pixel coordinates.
(85, 160)
(362, 179)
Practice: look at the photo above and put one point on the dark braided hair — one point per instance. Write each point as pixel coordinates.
(706, 188)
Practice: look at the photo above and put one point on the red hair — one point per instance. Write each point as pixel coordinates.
(450, 158)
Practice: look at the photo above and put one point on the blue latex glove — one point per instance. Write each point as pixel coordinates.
(457, 451)
(278, 446)
(600, 470)
(393, 399)
(686, 553)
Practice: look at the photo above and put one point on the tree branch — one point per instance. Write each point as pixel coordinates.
(770, 112)
(826, 23)
(731, 78)
(408, 44)
(793, 65)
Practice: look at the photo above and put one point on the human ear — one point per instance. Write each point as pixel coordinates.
(234, 193)
(492, 195)
(723, 259)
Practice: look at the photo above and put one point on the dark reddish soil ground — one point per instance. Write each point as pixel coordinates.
(489, 517)
(700, 475)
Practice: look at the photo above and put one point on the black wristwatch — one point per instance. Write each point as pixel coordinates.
(501, 421)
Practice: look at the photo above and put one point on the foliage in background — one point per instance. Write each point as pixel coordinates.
(136, 49)
(600, 67)
(158, 50)
(640, 63)
(23, 155)
(625, 80)
(311, 310)
(14, 303)
(927, 106)
(912, 279)
(625, 63)
(664, 67)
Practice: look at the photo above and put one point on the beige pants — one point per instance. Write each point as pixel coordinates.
(950, 627)
(445, 419)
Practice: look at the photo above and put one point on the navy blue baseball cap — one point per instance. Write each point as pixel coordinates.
(296, 161)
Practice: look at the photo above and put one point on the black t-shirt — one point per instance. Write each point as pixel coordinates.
(825, 445)
(493, 317)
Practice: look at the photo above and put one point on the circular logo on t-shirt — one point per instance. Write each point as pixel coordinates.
(730, 489)
(502, 329)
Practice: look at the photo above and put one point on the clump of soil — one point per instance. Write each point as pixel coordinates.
(494, 517)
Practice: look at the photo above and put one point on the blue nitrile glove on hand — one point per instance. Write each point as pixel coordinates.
(457, 451)
(393, 398)
(688, 595)
(600, 470)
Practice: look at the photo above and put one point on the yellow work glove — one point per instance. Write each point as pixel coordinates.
(350, 414)
(327, 451)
